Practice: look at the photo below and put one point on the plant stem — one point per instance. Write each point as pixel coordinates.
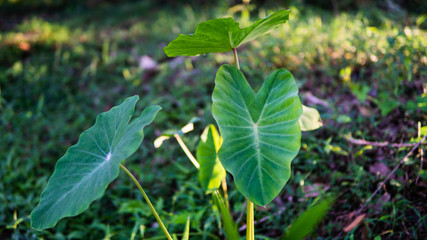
(156, 215)
(236, 58)
(191, 234)
(250, 221)
(187, 152)
(224, 189)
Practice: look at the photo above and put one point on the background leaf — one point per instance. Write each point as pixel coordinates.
(83, 173)
(211, 171)
(222, 35)
(310, 119)
(261, 132)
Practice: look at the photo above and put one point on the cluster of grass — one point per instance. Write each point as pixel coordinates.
(367, 69)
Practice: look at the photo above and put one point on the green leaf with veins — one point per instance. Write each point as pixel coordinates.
(222, 35)
(84, 172)
(261, 134)
(211, 172)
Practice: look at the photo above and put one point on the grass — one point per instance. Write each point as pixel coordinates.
(58, 71)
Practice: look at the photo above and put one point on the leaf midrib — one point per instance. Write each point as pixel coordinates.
(257, 142)
(91, 173)
(79, 183)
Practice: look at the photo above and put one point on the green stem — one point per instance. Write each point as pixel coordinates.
(236, 58)
(250, 221)
(156, 215)
(191, 234)
(224, 189)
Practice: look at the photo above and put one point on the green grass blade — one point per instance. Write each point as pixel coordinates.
(308, 220)
(230, 227)
(186, 233)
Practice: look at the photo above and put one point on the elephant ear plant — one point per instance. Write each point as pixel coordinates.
(87, 168)
(259, 135)
(261, 131)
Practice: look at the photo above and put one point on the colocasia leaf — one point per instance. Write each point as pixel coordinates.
(84, 172)
(261, 134)
(222, 35)
(211, 172)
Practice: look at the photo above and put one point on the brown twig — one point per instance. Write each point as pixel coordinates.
(420, 150)
(379, 144)
(390, 174)
(386, 179)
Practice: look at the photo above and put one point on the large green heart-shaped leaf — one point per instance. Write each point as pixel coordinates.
(260, 131)
(211, 172)
(84, 172)
(222, 35)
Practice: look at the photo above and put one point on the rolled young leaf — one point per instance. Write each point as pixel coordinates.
(261, 134)
(222, 35)
(211, 172)
(84, 172)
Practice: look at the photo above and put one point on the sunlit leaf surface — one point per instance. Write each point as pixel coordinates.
(211, 172)
(222, 35)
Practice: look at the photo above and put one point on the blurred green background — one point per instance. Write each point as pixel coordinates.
(361, 63)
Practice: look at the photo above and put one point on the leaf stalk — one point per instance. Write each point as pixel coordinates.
(250, 221)
(156, 215)
(187, 151)
(236, 58)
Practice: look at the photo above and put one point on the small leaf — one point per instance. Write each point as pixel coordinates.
(84, 172)
(222, 35)
(261, 131)
(211, 172)
(135, 206)
(310, 119)
(386, 103)
(308, 220)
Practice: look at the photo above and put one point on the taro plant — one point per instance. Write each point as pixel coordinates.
(260, 132)
(88, 167)
(259, 135)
